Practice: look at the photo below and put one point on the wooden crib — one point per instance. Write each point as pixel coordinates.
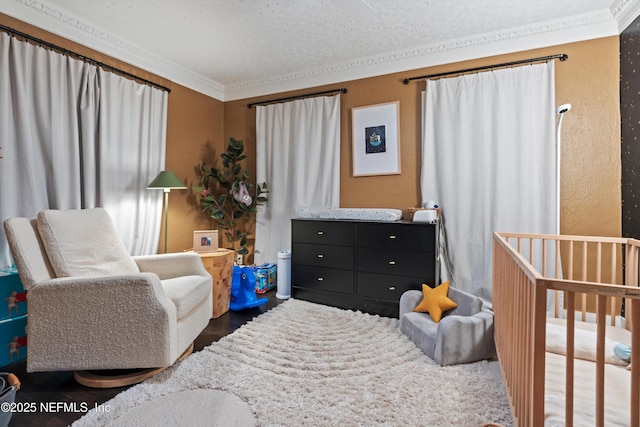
(583, 280)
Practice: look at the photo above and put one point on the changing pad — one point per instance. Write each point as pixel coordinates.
(363, 214)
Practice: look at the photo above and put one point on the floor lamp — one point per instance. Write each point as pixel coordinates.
(560, 111)
(168, 181)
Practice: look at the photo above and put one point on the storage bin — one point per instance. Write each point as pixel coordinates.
(13, 340)
(12, 294)
(265, 277)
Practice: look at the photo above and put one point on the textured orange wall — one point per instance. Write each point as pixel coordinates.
(590, 169)
(194, 135)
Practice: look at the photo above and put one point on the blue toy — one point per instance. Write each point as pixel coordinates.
(243, 290)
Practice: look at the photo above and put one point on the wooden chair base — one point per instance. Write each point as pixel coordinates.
(120, 377)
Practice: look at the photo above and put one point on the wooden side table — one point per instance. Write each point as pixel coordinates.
(220, 266)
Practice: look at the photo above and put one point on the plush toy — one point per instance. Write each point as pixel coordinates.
(242, 195)
(243, 290)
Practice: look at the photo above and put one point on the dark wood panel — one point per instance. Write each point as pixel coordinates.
(630, 117)
(385, 286)
(323, 232)
(325, 279)
(378, 261)
(395, 261)
(406, 236)
(342, 257)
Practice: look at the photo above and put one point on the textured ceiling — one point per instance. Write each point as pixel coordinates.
(234, 49)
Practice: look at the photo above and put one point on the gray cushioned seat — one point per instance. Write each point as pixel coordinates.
(463, 335)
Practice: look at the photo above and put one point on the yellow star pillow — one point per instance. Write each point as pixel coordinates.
(435, 301)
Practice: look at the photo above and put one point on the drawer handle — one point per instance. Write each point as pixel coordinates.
(392, 263)
(392, 288)
(320, 256)
(320, 279)
(320, 233)
(392, 236)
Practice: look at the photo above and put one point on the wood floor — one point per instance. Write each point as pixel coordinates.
(58, 400)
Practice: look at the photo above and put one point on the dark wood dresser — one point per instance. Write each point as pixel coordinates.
(362, 265)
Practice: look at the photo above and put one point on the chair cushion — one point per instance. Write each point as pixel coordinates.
(468, 304)
(435, 301)
(84, 242)
(420, 329)
(28, 253)
(186, 292)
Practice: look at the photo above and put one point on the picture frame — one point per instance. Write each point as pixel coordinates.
(375, 139)
(205, 241)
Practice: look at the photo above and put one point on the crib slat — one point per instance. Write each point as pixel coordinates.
(584, 279)
(531, 252)
(556, 311)
(614, 279)
(569, 371)
(635, 369)
(601, 313)
(570, 266)
(539, 310)
(599, 262)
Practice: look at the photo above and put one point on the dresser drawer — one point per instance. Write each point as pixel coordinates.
(323, 232)
(323, 279)
(394, 261)
(414, 237)
(384, 286)
(342, 257)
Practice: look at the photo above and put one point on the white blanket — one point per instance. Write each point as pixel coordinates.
(585, 344)
(362, 214)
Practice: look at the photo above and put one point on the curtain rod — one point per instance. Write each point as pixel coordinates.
(76, 55)
(291, 98)
(561, 57)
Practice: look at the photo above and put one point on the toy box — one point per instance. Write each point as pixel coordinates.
(265, 277)
(13, 340)
(12, 294)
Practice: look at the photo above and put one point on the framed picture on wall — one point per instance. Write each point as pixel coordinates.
(205, 241)
(375, 139)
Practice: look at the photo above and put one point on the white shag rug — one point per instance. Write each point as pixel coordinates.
(305, 364)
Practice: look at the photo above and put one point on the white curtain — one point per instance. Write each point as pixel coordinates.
(132, 135)
(298, 156)
(488, 159)
(74, 136)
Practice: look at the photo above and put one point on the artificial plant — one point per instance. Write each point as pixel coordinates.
(228, 197)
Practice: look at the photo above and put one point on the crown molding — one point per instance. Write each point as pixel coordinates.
(54, 20)
(604, 23)
(551, 33)
(625, 12)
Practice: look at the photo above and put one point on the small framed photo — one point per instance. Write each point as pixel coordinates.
(205, 241)
(375, 139)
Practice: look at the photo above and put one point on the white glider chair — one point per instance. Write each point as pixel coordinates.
(92, 307)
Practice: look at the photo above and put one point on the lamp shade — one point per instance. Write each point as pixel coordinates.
(167, 179)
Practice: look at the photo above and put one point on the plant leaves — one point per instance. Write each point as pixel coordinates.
(219, 204)
(217, 213)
